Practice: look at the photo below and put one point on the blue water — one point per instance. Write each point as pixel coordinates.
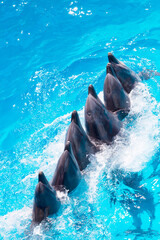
(50, 51)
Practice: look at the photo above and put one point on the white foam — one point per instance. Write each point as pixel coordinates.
(13, 220)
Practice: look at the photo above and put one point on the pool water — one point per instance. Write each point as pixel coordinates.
(50, 51)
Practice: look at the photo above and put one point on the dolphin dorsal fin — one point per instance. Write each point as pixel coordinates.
(112, 58)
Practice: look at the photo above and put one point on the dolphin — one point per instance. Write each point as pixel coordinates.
(45, 200)
(81, 144)
(126, 76)
(101, 124)
(115, 98)
(67, 173)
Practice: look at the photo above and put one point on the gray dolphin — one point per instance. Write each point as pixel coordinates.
(81, 144)
(45, 200)
(100, 124)
(67, 173)
(115, 98)
(126, 76)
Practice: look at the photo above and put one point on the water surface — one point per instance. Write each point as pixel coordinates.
(50, 51)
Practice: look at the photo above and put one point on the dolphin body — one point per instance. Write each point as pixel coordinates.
(115, 98)
(101, 124)
(45, 200)
(81, 144)
(126, 76)
(67, 173)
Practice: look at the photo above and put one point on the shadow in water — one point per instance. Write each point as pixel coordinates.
(134, 197)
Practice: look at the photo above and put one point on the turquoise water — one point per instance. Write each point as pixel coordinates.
(50, 51)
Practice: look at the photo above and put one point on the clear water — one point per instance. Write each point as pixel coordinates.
(50, 51)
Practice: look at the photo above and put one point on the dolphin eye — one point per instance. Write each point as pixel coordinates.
(89, 114)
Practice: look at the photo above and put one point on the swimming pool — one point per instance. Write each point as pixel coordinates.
(50, 52)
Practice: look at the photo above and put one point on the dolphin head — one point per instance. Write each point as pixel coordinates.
(111, 82)
(115, 97)
(94, 107)
(100, 123)
(81, 145)
(126, 76)
(93, 110)
(67, 174)
(45, 200)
